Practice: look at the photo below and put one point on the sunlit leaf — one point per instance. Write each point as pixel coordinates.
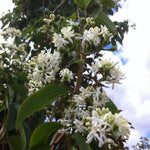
(39, 100)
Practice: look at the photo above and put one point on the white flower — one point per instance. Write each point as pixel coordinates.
(59, 41)
(94, 35)
(105, 32)
(10, 32)
(68, 33)
(42, 69)
(66, 75)
(115, 76)
(91, 35)
(78, 125)
(124, 127)
(72, 23)
(96, 66)
(98, 130)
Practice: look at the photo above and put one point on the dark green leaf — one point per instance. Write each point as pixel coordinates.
(19, 88)
(11, 116)
(39, 100)
(15, 142)
(43, 132)
(112, 107)
(108, 3)
(82, 3)
(23, 137)
(81, 142)
(27, 133)
(41, 147)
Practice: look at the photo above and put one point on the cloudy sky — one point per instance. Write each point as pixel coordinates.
(133, 95)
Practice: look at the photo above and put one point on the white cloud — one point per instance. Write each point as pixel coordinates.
(5, 7)
(133, 96)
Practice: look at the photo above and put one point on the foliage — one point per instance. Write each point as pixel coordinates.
(143, 144)
(53, 76)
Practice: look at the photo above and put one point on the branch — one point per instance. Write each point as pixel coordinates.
(54, 11)
(80, 71)
(57, 137)
(79, 17)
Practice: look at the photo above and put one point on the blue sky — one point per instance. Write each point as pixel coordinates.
(133, 95)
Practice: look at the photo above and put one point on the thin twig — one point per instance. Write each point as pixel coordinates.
(54, 11)
(56, 139)
(80, 71)
(79, 17)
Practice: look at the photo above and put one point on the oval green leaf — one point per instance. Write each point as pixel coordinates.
(81, 142)
(39, 100)
(112, 107)
(82, 3)
(43, 132)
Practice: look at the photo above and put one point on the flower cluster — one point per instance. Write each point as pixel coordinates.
(60, 41)
(93, 34)
(102, 124)
(42, 69)
(10, 32)
(90, 115)
(10, 53)
(108, 70)
(87, 110)
(66, 75)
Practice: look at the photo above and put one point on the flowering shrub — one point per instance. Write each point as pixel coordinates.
(86, 110)
(61, 78)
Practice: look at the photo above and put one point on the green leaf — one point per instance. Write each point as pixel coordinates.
(82, 3)
(11, 116)
(27, 133)
(15, 142)
(102, 19)
(108, 3)
(74, 148)
(20, 89)
(39, 100)
(81, 142)
(23, 137)
(112, 107)
(43, 132)
(41, 147)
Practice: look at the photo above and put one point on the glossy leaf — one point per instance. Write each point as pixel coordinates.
(43, 132)
(82, 3)
(81, 142)
(112, 107)
(39, 100)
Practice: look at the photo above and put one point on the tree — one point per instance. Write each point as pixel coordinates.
(53, 76)
(142, 144)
